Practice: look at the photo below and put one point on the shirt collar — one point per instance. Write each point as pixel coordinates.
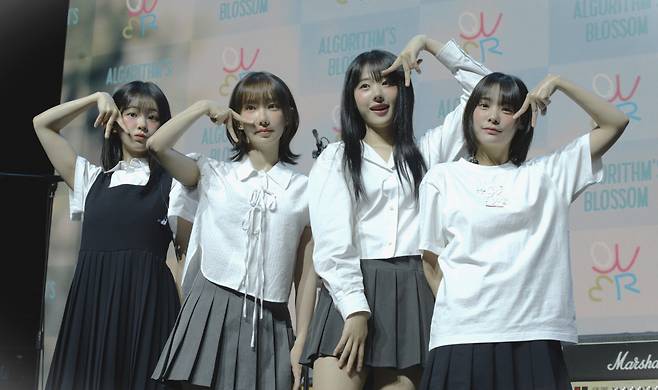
(371, 155)
(279, 173)
(132, 165)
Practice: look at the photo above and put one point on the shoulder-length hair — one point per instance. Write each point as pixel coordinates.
(258, 87)
(131, 94)
(512, 93)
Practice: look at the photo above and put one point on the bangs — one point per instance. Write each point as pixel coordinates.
(507, 91)
(260, 90)
(144, 96)
(263, 88)
(374, 62)
(395, 77)
(141, 102)
(509, 94)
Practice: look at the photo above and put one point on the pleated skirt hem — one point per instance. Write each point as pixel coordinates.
(210, 344)
(120, 309)
(525, 365)
(401, 305)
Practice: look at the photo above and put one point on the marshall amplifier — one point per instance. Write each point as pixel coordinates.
(613, 365)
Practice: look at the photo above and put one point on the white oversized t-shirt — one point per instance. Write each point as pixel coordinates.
(502, 236)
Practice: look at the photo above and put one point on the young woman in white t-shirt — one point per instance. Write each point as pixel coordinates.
(499, 225)
(250, 241)
(374, 309)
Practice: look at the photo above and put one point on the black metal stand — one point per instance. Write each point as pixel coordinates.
(40, 343)
(51, 181)
(305, 377)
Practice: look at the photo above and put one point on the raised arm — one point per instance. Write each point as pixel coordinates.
(465, 69)
(445, 142)
(181, 167)
(408, 58)
(610, 121)
(49, 123)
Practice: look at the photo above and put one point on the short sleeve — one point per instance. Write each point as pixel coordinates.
(84, 177)
(431, 229)
(209, 169)
(183, 201)
(306, 218)
(571, 168)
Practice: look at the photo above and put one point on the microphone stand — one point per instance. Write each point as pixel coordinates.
(320, 144)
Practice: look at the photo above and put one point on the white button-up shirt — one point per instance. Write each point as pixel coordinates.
(135, 172)
(384, 223)
(247, 227)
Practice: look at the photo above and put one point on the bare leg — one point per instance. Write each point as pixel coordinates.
(328, 376)
(392, 379)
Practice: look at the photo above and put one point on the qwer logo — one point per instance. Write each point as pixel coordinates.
(142, 18)
(478, 34)
(610, 88)
(235, 66)
(610, 273)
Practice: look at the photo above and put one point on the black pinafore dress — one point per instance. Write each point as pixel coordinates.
(123, 300)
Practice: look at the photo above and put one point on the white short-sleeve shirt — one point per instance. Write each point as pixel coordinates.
(134, 172)
(502, 236)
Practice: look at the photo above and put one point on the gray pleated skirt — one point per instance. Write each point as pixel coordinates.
(210, 344)
(401, 304)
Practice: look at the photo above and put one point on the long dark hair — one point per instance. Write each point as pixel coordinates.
(124, 97)
(257, 87)
(406, 154)
(512, 92)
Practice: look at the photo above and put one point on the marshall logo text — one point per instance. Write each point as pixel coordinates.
(622, 363)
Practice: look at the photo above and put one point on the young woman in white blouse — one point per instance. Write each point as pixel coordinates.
(499, 225)
(123, 301)
(374, 309)
(251, 239)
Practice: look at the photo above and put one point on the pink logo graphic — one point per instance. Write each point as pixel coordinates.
(142, 18)
(476, 35)
(611, 89)
(235, 67)
(611, 272)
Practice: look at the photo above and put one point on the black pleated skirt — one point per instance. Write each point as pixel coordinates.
(401, 305)
(119, 311)
(210, 344)
(524, 365)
